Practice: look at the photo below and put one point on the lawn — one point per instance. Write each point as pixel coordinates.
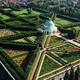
(20, 12)
(4, 17)
(23, 12)
(7, 9)
(49, 65)
(61, 22)
(18, 23)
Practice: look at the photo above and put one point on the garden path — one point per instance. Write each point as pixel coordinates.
(67, 40)
(36, 62)
(49, 77)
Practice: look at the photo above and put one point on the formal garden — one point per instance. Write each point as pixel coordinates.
(21, 42)
(4, 73)
(49, 65)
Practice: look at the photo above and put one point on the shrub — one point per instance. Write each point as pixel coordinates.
(41, 42)
(18, 70)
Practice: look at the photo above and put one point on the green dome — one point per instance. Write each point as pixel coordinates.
(48, 27)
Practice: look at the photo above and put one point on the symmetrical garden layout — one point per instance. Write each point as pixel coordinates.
(20, 45)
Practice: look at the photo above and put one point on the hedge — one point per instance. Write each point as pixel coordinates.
(47, 41)
(17, 45)
(20, 35)
(18, 70)
(68, 17)
(69, 26)
(41, 42)
(12, 71)
(40, 10)
(36, 53)
(38, 66)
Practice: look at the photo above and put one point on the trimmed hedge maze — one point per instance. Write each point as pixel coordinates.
(19, 57)
(21, 43)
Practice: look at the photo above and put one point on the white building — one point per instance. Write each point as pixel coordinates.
(48, 27)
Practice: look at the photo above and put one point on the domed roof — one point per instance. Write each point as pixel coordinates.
(49, 23)
(48, 26)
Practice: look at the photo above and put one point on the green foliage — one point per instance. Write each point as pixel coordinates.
(29, 10)
(73, 33)
(53, 17)
(41, 42)
(18, 70)
(17, 45)
(31, 62)
(72, 74)
(77, 74)
(66, 77)
(20, 35)
(13, 72)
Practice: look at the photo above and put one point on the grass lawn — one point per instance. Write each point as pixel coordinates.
(24, 12)
(60, 21)
(4, 17)
(37, 13)
(18, 23)
(20, 12)
(7, 9)
(49, 65)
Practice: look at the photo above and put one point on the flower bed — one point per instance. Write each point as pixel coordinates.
(49, 65)
(68, 52)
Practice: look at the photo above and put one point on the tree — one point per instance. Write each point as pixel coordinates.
(72, 74)
(29, 10)
(73, 33)
(77, 74)
(66, 77)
